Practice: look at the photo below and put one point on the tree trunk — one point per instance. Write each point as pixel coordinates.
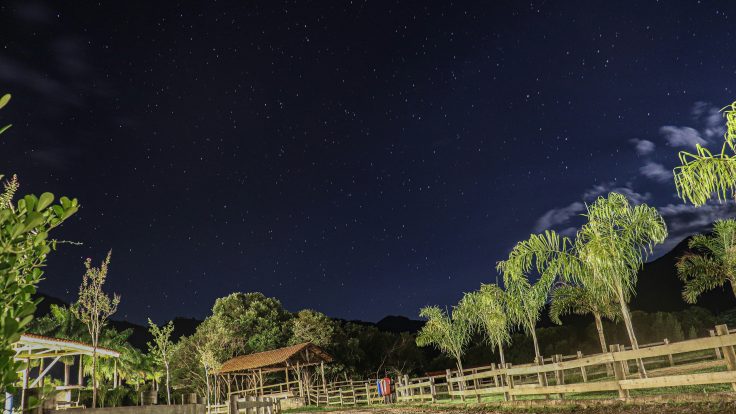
(536, 344)
(94, 376)
(501, 355)
(207, 380)
(460, 372)
(168, 388)
(601, 334)
(630, 330)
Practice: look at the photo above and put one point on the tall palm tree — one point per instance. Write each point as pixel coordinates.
(712, 263)
(703, 173)
(612, 246)
(486, 310)
(574, 299)
(448, 333)
(535, 258)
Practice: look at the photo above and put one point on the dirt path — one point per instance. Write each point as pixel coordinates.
(714, 406)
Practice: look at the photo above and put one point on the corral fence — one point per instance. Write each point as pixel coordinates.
(668, 364)
(246, 405)
(701, 361)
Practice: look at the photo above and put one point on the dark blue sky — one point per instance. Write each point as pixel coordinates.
(362, 158)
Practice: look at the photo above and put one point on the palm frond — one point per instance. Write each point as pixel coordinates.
(712, 261)
(702, 174)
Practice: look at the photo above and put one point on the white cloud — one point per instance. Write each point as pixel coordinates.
(681, 136)
(711, 118)
(656, 172)
(643, 146)
(684, 220)
(557, 216)
(611, 187)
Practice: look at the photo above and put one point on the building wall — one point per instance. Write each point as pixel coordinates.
(144, 409)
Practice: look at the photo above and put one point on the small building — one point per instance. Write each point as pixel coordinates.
(295, 374)
(33, 347)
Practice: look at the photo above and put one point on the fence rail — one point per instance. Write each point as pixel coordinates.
(671, 364)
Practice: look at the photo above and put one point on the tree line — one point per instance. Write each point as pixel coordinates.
(595, 272)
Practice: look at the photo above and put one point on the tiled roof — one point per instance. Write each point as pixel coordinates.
(275, 357)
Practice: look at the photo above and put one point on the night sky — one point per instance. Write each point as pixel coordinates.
(361, 158)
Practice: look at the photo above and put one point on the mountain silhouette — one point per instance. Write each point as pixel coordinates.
(659, 289)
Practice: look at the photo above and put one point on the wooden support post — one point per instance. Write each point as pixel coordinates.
(368, 393)
(115, 375)
(80, 373)
(727, 351)
(583, 372)
(669, 356)
(432, 389)
(559, 374)
(475, 385)
(233, 404)
(542, 376)
(26, 374)
(67, 373)
(509, 380)
(718, 350)
(619, 372)
(299, 380)
(448, 375)
(322, 370)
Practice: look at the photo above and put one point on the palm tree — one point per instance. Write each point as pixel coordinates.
(486, 310)
(537, 257)
(448, 333)
(612, 246)
(714, 265)
(704, 173)
(571, 299)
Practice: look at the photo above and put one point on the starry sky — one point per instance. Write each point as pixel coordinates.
(361, 158)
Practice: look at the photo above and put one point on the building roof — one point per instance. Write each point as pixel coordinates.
(304, 354)
(33, 346)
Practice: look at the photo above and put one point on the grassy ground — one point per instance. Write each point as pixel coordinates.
(721, 407)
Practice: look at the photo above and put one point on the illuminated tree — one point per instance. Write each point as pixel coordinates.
(448, 333)
(94, 307)
(486, 310)
(161, 348)
(535, 258)
(612, 247)
(571, 299)
(702, 174)
(712, 263)
(312, 326)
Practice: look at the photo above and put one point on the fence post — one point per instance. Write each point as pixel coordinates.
(368, 392)
(559, 374)
(542, 376)
(727, 351)
(449, 384)
(669, 356)
(475, 385)
(509, 380)
(718, 350)
(619, 371)
(495, 377)
(583, 372)
(233, 404)
(432, 389)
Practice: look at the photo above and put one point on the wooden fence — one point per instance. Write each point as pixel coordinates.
(690, 362)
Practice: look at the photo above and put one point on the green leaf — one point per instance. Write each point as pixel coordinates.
(45, 200)
(33, 220)
(4, 100)
(5, 128)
